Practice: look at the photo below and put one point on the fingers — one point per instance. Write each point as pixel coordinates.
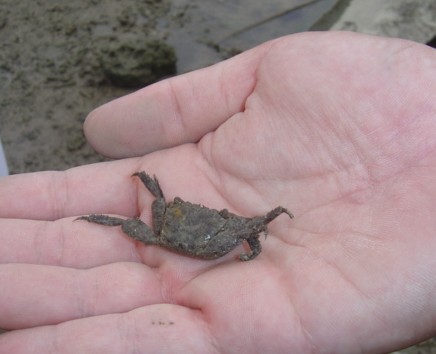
(174, 111)
(152, 329)
(35, 295)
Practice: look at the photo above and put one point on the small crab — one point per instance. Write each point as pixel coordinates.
(192, 229)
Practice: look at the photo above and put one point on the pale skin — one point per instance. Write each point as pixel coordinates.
(339, 128)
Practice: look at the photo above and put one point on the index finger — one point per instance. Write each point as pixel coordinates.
(174, 111)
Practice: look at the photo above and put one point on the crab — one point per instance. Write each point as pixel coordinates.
(192, 229)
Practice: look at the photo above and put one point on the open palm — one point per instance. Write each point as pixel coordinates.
(339, 128)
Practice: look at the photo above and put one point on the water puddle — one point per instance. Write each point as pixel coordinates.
(206, 32)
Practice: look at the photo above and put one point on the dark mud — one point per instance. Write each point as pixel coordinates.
(51, 73)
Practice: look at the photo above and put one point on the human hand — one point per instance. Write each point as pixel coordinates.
(337, 127)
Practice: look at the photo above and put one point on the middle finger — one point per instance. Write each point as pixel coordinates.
(63, 242)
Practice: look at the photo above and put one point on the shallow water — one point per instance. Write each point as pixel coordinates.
(232, 26)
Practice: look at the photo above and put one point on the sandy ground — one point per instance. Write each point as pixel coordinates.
(408, 19)
(51, 77)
